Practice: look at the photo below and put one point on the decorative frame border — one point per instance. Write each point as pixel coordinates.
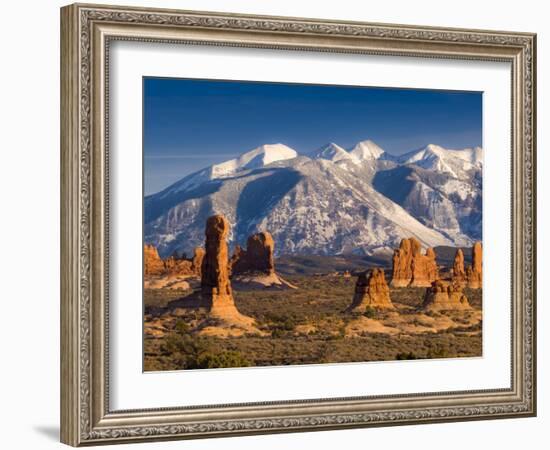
(86, 31)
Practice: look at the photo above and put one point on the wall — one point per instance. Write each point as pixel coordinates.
(29, 179)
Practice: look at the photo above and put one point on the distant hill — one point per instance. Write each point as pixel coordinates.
(310, 265)
(315, 264)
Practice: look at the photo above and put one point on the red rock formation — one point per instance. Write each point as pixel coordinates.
(179, 266)
(443, 296)
(402, 262)
(411, 267)
(152, 263)
(424, 269)
(458, 273)
(371, 292)
(216, 293)
(173, 265)
(474, 275)
(258, 256)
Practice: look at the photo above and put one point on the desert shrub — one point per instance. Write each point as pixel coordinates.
(438, 352)
(195, 352)
(370, 312)
(277, 333)
(225, 359)
(182, 327)
(406, 356)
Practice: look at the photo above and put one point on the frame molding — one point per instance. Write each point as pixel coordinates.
(86, 31)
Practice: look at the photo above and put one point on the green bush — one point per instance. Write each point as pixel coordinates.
(370, 312)
(220, 360)
(195, 352)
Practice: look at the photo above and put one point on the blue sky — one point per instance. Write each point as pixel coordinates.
(191, 124)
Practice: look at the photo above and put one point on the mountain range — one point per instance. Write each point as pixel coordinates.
(331, 201)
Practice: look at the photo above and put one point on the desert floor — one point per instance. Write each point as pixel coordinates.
(307, 326)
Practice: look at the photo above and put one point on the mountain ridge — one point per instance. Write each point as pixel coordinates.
(331, 201)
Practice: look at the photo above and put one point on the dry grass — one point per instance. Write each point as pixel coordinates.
(305, 326)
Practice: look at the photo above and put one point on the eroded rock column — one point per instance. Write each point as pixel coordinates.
(371, 291)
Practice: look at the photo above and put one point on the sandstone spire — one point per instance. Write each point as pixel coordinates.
(411, 267)
(216, 293)
(474, 273)
(402, 262)
(443, 295)
(459, 274)
(424, 269)
(371, 291)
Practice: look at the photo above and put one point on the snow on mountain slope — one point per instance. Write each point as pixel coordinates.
(447, 204)
(259, 157)
(455, 162)
(329, 202)
(366, 150)
(309, 206)
(333, 152)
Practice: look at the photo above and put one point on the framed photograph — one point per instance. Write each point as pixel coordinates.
(277, 224)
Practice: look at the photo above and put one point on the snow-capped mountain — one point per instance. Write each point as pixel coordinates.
(367, 151)
(256, 158)
(332, 201)
(457, 163)
(441, 188)
(333, 152)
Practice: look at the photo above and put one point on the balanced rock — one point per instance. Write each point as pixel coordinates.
(474, 275)
(152, 262)
(216, 294)
(254, 267)
(445, 296)
(411, 267)
(371, 292)
(258, 256)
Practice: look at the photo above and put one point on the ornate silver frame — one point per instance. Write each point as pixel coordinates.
(86, 31)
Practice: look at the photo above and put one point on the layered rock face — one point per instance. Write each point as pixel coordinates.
(474, 275)
(153, 264)
(444, 296)
(371, 292)
(216, 293)
(258, 256)
(411, 267)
